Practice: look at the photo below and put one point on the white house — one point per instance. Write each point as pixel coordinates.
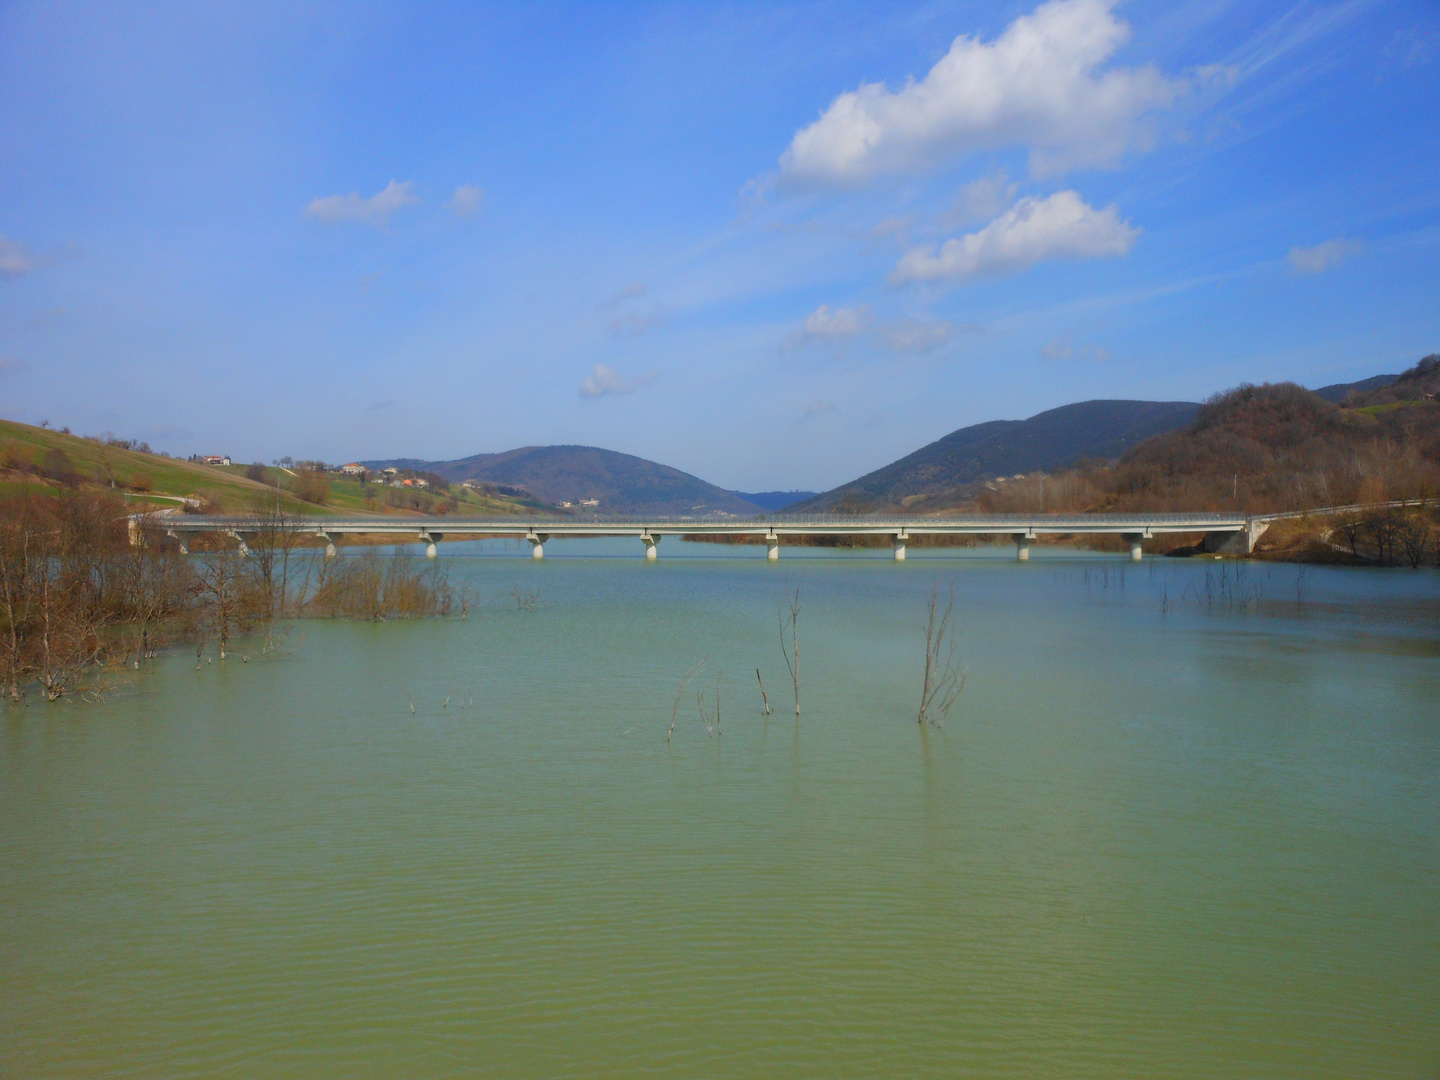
(353, 469)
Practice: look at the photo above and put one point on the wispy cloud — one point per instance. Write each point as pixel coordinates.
(1042, 84)
(466, 202)
(1064, 348)
(14, 260)
(375, 210)
(1032, 231)
(914, 336)
(630, 292)
(1321, 257)
(605, 380)
(633, 324)
(981, 200)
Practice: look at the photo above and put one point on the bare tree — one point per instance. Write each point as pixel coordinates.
(1414, 535)
(764, 697)
(227, 603)
(944, 677)
(17, 555)
(789, 619)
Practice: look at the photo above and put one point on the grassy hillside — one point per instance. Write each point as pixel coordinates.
(951, 470)
(33, 459)
(36, 460)
(622, 483)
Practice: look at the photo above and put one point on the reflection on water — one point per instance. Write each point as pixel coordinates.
(1168, 831)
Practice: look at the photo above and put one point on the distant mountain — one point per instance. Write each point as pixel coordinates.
(949, 468)
(775, 500)
(622, 483)
(1337, 392)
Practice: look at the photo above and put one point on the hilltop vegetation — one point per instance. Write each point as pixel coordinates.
(1270, 448)
(1263, 449)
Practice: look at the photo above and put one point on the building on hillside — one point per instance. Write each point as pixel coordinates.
(391, 471)
(589, 502)
(420, 481)
(216, 459)
(353, 469)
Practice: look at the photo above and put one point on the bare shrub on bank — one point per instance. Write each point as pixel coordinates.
(374, 587)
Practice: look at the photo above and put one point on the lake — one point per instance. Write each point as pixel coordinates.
(1182, 822)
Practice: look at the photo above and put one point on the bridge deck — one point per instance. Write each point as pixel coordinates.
(456, 527)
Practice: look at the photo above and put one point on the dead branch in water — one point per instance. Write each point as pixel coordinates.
(764, 698)
(944, 677)
(684, 683)
(789, 619)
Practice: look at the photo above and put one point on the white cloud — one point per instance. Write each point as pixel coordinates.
(375, 210)
(913, 336)
(606, 380)
(466, 201)
(1321, 257)
(1033, 230)
(1038, 85)
(830, 324)
(14, 260)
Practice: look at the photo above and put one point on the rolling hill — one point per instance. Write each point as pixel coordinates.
(621, 483)
(950, 468)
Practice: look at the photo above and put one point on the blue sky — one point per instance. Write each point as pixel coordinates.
(774, 245)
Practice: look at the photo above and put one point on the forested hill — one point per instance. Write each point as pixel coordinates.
(621, 483)
(950, 468)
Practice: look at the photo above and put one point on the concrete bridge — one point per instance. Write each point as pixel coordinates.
(1228, 533)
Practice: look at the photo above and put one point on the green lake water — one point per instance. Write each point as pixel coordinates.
(1174, 827)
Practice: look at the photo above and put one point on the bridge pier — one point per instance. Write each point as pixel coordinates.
(900, 539)
(1133, 539)
(772, 546)
(179, 540)
(650, 541)
(1239, 542)
(1022, 546)
(329, 544)
(244, 547)
(429, 539)
(537, 543)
